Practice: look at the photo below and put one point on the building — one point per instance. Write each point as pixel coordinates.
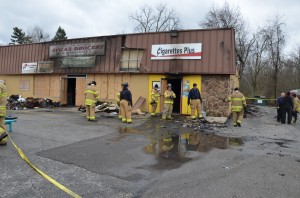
(60, 70)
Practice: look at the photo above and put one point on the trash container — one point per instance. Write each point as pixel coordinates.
(260, 100)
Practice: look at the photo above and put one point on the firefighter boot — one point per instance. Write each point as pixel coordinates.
(3, 139)
(239, 123)
(235, 124)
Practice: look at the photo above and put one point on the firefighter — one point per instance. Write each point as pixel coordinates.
(3, 96)
(118, 102)
(296, 109)
(91, 97)
(238, 102)
(195, 100)
(126, 104)
(154, 99)
(168, 103)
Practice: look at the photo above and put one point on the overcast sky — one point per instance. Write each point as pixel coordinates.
(87, 18)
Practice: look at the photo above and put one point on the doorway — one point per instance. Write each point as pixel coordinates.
(71, 91)
(176, 88)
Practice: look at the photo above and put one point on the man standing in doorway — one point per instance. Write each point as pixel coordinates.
(195, 100)
(169, 96)
(3, 96)
(154, 99)
(279, 103)
(238, 102)
(91, 97)
(126, 104)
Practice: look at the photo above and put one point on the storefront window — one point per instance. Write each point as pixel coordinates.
(131, 59)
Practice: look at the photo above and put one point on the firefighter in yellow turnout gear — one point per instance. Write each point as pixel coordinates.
(169, 96)
(91, 97)
(296, 109)
(238, 102)
(3, 96)
(154, 99)
(118, 102)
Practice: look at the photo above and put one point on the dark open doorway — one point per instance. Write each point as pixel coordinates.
(71, 87)
(176, 88)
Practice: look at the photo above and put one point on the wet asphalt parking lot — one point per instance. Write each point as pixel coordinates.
(111, 159)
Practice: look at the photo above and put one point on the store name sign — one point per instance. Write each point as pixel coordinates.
(176, 51)
(78, 49)
(38, 67)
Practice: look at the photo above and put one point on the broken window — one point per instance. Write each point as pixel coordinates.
(131, 59)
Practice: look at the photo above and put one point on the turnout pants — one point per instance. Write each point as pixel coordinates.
(2, 129)
(168, 108)
(90, 112)
(294, 115)
(237, 117)
(154, 106)
(125, 111)
(196, 106)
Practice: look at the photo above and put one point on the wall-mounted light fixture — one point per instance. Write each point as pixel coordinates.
(174, 33)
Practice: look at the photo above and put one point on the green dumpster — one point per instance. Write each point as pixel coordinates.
(260, 100)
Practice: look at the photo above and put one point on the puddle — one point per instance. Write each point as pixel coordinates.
(174, 149)
(281, 144)
(172, 146)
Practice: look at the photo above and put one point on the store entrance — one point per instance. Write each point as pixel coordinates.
(71, 91)
(176, 88)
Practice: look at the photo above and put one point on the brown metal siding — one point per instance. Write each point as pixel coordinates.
(218, 53)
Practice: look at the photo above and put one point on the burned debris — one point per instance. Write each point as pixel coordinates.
(17, 102)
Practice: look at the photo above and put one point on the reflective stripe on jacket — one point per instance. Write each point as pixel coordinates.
(91, 95)
(237, 100)
(155, 95)
(169, 97)
(297, 105)
(3, 99)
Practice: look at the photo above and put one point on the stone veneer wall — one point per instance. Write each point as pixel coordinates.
(214, 89)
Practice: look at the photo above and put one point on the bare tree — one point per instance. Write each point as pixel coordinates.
(159, 19)
(294, 61)
(258, 60)
(231, 17)
(37, 34)
(275, 36)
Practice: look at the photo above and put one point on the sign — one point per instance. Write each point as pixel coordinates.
(29, 68)
(176, 51)
(45, 67)
(70, 62)
(78, 49)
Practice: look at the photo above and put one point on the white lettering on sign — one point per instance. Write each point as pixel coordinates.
(78, 49)
(176, 51)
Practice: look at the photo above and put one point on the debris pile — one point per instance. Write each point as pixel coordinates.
(17, 102)
(201, 125)
(102, 107)
(253, 111)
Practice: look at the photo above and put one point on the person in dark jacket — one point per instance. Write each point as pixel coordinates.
(279, 103)
(288, 105)
(195, 100)
(126, 103)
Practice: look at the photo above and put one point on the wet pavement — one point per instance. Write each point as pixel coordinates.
(151, 157)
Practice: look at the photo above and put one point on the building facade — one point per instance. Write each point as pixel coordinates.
(60, 70)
